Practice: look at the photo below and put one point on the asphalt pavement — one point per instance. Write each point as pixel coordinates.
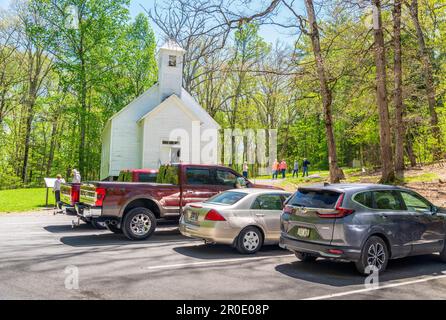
(43, 257)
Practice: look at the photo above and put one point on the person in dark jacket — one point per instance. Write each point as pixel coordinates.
(305, 165)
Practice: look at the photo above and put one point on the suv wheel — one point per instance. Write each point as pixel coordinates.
(374, 254)
(139, 224)
(249, 241)
(305, 257)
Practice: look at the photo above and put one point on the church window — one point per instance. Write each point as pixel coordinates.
(172, 61)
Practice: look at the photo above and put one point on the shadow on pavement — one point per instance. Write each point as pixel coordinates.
(83, 227)
(161, 235)
(217, 251)
(341, 274)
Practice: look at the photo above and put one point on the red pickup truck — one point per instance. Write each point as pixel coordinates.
(70, 192)
(133, 208)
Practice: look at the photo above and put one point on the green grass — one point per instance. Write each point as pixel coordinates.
(22, 200)
(425, 177)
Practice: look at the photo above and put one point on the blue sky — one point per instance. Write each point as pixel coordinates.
(269, 33)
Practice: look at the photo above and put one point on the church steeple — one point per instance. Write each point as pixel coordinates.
(170, 68)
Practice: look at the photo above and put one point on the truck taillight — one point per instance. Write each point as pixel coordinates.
(288, 209)
(214, 215)
(74, 196)
(100, 196)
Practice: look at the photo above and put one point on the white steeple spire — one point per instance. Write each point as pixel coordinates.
(170, 69)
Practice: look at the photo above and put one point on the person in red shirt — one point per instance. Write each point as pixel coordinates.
(275, 169)
(283, 167)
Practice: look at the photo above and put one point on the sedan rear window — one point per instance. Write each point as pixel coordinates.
(226, 198)
(315, 199)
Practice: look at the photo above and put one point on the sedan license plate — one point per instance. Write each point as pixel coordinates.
(193, 216)
(303, 232)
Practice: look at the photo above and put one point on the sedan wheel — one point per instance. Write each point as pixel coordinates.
(249, 241)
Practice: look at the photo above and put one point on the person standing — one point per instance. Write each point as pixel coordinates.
(245, 170)
(76, 176)
(296, 169)
(306, 163)
(275, 169)
(56, 189)
(283, 168)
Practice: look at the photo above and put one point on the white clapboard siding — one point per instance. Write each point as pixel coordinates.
(158, 125)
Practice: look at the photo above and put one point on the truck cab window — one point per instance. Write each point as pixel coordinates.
(225, 178)
(196, 176)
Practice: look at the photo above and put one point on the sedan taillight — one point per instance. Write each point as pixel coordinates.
(214, 215)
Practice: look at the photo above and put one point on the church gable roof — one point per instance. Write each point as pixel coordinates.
(177, 101)
(146, 95)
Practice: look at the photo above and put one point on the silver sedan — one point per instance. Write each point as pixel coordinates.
(244, 218)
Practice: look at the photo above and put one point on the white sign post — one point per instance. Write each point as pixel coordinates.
(49, 183)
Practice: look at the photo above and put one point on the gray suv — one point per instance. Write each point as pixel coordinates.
(365, 224)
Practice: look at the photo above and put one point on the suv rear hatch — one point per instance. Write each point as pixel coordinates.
(311, 213)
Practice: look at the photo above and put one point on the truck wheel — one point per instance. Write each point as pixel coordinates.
(98, 225)
(374, 255)
(114, 229)
(249, 241)
(139, 224)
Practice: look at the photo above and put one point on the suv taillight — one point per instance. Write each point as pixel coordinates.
(340, 211)
(214, 215)
(100, 196)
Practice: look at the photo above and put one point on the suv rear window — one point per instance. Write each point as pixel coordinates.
(227, 198)
(315, 199)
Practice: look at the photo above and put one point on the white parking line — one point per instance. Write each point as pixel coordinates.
(221, 261)
(394, 285)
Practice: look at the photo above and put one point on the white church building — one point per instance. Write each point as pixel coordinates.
(164, 125)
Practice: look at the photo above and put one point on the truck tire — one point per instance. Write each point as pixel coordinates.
(114, 229)
(98, 225)
(139, 224)
(249, 241)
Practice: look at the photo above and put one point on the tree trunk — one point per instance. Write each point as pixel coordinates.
(398, 94)
(83, 111)
(335, 171)
(429, 80)
(409, 151)
(29, 120)
(52, 146)
(388, 170)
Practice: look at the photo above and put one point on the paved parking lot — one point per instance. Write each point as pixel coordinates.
(37, 248)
